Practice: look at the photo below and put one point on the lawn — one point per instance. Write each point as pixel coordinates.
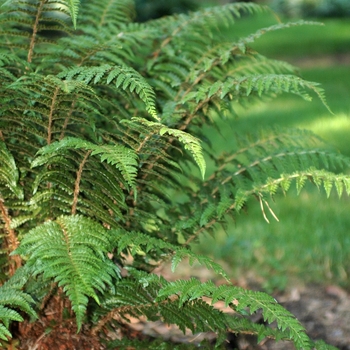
(311, 241)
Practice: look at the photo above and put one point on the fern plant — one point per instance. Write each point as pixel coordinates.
(101, 123)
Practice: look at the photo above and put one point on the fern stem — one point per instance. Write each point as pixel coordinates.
(105, 12)
(168, 39)
(35, 31)
(144, 141)
(11, 240)
(52, 108)
(193, 114)
(77, 183)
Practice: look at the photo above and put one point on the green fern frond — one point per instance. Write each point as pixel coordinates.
(196, 315)
(243, 325)
(240, 299)
(73, 7)
(321, 178)
(9, 175)
(7, 58)
(125, 159)
(35, 17)
(72, 251)
(321, 345)
(17, 299)
(190, 142)
(77, 146)
(124, 77)
(224, 15)
(139, 243)
(276, 83)
(108, 14)
(129, 299)
(12, 297)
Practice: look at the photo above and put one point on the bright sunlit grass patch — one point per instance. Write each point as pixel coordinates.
(335, 130)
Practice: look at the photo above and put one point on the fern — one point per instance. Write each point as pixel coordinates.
(9, 175)
(13, 300)
(72, 251)
(241, 299)
(96, 190)
(73, 7)
(125, 77)
(124, 159)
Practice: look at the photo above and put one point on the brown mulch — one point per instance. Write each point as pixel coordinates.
(55, 332)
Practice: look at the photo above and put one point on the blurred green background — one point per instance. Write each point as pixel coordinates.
(311, 241)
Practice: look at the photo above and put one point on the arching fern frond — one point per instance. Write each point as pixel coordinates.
(124, 77)
(240, 299)
(268, 83)
(107, 14)
(73, 251)
(321, 178)
(125, 159)
(9, 175)
(190, 142)
(181, 303)
(73, 7)
(13, 300)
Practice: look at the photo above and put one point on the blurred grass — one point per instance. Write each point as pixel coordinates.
(326, 36)
(311, 243)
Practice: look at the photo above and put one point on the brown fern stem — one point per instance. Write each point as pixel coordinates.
(35, 31)
(142, 144)
(11, 240)
(77, 183)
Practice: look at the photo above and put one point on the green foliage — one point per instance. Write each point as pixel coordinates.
(100, 130)
(73, 252)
